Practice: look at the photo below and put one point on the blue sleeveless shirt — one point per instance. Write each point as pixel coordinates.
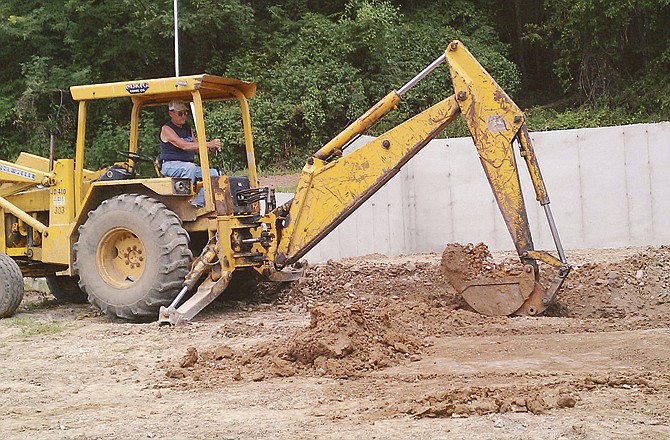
(170, 152)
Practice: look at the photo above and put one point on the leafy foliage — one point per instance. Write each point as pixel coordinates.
(319, 65)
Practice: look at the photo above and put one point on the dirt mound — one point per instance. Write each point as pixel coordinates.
(374, 313)
(636, 286)
(341, 341)
(469, 262)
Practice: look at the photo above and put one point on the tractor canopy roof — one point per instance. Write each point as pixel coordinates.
(163, 90)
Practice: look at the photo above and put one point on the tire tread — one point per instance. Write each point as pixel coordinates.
(11, 286)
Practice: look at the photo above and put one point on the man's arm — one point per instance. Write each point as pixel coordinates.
(169, 135)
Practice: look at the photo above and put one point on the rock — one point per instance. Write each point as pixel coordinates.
(400, 347)
(223, 352)
(173, 373)
(190, 358)
(612, 276)
(536, 405)
(505, 407)
(566, 402)
(282, 368)
(237, 375)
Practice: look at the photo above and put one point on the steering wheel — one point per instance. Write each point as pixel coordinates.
(139, 157)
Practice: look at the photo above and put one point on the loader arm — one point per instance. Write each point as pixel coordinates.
(332, 186)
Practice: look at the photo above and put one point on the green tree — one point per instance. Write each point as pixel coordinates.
(610, 52)
(320, 64)
(332, 68)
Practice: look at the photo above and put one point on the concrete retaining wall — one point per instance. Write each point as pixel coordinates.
(608, 187)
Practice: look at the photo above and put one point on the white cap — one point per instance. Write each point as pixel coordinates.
(177, 105)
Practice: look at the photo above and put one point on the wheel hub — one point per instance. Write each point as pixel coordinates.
(121, 258)
(132, 256)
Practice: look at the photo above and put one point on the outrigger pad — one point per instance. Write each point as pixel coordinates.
(207, 292)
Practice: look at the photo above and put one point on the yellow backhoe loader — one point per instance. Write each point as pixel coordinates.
(127, 243)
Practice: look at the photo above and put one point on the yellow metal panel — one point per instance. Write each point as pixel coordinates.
(31, 201)
(16, 252)
(32, 161)
(148, 88)
(62, 195)
(56, 245)
(162, 185)
(140, 87)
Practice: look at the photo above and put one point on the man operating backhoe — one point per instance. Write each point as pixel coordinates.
(178, 148)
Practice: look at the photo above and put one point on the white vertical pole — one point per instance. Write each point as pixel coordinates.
(176, 40)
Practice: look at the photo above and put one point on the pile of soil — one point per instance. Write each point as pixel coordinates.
(470, 262)
(369, 314)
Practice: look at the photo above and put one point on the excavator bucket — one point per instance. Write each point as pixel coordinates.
(492, 289)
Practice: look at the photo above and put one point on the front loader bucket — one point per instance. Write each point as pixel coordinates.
(488, 289)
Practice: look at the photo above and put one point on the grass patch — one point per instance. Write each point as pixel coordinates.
(32, 327)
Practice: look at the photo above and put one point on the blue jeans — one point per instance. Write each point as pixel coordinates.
(175, 168)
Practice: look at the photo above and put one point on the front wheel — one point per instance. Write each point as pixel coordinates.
(132, 256)
(11, 286)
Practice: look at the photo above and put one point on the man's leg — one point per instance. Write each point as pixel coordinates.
(187, 170)
(176, 168)
(212, 172)
(200, 198)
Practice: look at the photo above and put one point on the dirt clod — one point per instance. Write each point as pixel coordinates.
(190, 358)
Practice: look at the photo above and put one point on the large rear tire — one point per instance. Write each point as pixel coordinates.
(11, 286)
(66, 289)
(131, 257)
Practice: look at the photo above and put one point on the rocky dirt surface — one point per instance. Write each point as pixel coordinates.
(372, 347)
(283, 181)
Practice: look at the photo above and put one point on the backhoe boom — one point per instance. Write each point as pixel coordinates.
(332, 186)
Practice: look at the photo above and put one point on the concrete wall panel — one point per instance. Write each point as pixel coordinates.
(638, 183)
(608, 187)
